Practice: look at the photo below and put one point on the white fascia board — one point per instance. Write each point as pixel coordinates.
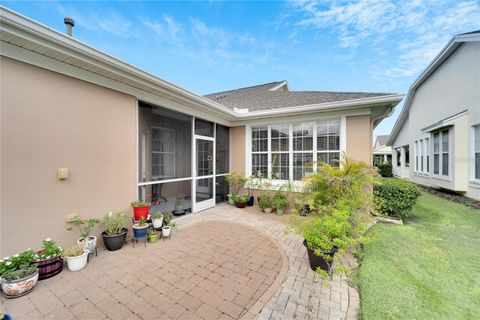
(279, 86)
(440, 58)
(393, 99)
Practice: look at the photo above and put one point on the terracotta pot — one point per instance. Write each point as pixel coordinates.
(241, 204)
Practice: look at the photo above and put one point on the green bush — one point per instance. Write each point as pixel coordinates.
(395, 197)
(385, 169)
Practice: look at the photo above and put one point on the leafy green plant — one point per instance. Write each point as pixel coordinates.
(236, 181)
(179, 201)
(19, 273)
(49, 250)
(395, 197)
(114, 223)
(136, 204)
(240, 199)
(22, 261)
(167, 218)
(352, 180)
(85, 226)
(142, 223)
(280, 200)
(264, 200)
(156, 215)
(74, 250)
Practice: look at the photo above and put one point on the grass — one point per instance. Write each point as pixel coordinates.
(426, 269)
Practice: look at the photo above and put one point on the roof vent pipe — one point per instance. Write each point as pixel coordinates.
(69, 23)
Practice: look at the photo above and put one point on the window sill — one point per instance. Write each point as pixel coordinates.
(444, 178)
(421, 174)
(475, 183)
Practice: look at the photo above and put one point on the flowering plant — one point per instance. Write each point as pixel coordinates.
(49, 250)
(15, 267)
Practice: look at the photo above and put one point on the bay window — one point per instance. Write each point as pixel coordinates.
(291, 151)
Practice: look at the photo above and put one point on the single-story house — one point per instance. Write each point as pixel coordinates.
(436, 139)
(83, 132)
(381, 152)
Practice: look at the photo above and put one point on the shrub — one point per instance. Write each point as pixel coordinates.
(264, 200)
(385, 170)
(75, 250)
(280, 201)
(395, 197)
(49, 250)
(139, 204)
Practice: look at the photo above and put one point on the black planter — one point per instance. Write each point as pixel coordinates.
(250, 201)
(319, 261)
(115, 242)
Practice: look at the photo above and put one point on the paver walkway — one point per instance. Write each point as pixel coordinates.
(224, 263)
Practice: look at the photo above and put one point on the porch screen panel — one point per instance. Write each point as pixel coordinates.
(222, 149)
(165, 144)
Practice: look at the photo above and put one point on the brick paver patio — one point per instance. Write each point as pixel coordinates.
(224, 263)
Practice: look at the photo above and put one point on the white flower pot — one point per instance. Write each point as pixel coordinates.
(77, 263)
(267, 210)
(230, 200)
(157, 223)
(166, 231)
(90, 245)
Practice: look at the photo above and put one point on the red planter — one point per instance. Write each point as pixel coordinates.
(50, 267)
(139, 212)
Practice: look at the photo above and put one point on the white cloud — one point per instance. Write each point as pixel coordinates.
(414, 31)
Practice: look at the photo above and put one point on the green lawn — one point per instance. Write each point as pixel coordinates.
(426, 269)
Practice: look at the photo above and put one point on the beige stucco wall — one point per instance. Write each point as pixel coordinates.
(50, 121)
(237, 154)
(359, 139)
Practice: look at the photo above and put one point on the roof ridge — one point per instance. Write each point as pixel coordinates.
(249, 87)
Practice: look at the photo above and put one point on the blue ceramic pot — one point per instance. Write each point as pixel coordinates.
(250, 201)
(140, 233)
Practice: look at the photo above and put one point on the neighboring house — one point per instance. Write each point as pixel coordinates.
(436, 139)
(125, 134)
(381, 152)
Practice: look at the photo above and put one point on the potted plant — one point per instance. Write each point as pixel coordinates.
(49, 259)
(157, 219)
(235, 182)
(85, 227)
(18, 274)
(265, 202)
(179, 204)
(241, 201)
(167, 220)
(115, 232)
(173, 227)
(280, 202)
(152, 236)
(140, 209)
(76, 256)
(140, 228)
(250, 183)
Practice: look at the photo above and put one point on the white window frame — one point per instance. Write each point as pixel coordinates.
(473, 179)
(421, 156)
(440, 175)
(251, 152)
(276, 183)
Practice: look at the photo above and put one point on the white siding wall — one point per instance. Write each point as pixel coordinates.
(451, 89)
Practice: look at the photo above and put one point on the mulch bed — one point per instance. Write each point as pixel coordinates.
(455, 197)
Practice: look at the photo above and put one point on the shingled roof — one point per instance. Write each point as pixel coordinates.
(276, 95)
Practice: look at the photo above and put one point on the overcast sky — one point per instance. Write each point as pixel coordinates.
(210, 46)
